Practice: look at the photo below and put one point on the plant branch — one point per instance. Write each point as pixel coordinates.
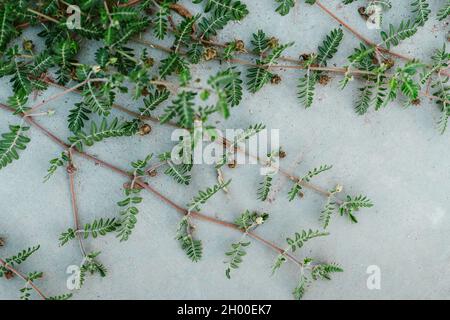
(23, 277)
(63, 93)
(71, 170)
(181, 210)
(361, 37)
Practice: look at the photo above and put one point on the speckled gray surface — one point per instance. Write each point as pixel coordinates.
(395, 156)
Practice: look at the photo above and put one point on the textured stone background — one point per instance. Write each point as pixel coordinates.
(395, 156)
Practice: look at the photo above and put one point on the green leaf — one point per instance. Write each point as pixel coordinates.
(192, 247)
(216, 22)
(153, 100)
(421, 9)
(323, 271)
(101, 132)
(257, 78)
(297, 187)
(204, 196)
(179, 172)
(264, 189)
(183, 107)
(235, 256)
(17, 259)
(77, 116)
(329, 47)
(444, 11)
(301, 237)
(306, 87)
(284, 6)
(161, 21)
(394, 36)
(351, 205)
(260, 41)
(236, 9)
(301, 287)
(11, 143)
(363, 103)
(7, 30)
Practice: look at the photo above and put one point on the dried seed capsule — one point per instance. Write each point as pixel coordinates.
(28, 45)
(282, 154)
(305, 56)
(145, 92)
(209, 54)
(415, 102)
(232, 164)
(9, 275)
(240, 45)
(273, 42)
(145, 129)
(324, 79)
(362, 12)
(149, 62)
(276, 79)
(389, 63)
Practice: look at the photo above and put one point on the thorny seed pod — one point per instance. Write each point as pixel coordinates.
(276, 79)
(305, 56)
(273, 42)
(363, 13)
(240, 45)
(145, 92)
(9, 275)
(232, 164)
(149, 62)
(282, 154)
(28, 45)
(301, 194)
(145, 129)
(153, 173)
(209, 54)
(324, 79)
(2, 242)
(415, 102)
(389, 63)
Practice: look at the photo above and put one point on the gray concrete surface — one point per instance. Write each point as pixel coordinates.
(395, 156)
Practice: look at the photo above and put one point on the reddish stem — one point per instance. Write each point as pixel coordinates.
(23, 277)
(361, 37)
(152, 190)
(71, 170)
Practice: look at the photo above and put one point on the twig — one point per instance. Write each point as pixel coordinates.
(23, 277)
(194, 214)
(71, 172)
(361, 37)
(61, 94)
